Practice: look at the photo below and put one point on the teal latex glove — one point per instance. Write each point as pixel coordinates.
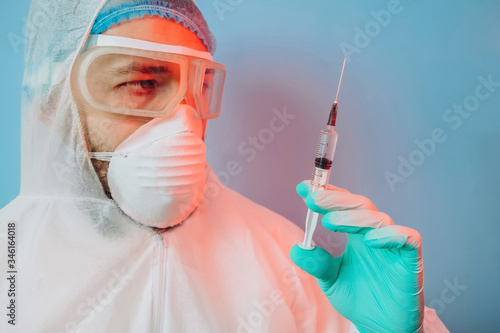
(377, 283)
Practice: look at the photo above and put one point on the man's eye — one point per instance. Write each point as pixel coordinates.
(141, 85)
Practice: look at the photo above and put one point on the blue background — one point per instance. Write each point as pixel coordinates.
(396, 89)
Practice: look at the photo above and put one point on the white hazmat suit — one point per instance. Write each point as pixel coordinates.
(82, 265)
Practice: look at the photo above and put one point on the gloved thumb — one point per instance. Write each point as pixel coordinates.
(317, 262)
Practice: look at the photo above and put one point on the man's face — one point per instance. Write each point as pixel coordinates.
(104, 132)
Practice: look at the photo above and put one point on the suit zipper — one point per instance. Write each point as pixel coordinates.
(160, 303)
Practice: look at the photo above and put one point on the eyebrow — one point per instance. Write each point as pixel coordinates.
(139, 68)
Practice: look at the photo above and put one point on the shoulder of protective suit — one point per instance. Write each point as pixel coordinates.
(12, 212)
(262, 219)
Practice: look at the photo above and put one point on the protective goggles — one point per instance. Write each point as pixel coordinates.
(140, 78)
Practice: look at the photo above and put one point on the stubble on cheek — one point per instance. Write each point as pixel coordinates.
(105, 135)
(95, 142)
(101, 168)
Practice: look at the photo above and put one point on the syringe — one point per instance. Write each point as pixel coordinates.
(322, 165)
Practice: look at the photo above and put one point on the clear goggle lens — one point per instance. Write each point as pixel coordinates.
(148, 83)
(128, 82)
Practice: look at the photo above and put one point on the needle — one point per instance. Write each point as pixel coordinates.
(333, 113)
(340, 82)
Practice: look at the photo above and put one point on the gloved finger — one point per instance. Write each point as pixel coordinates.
(304, 188)
(356, 221)
(317, 262)
(393, 237)
(331, 187)
(325, 201)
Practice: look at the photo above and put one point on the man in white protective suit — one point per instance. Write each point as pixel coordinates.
(121, 226)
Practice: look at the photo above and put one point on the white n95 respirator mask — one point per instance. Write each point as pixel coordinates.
(157, 175)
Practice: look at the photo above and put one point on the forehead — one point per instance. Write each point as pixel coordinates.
(158, 30)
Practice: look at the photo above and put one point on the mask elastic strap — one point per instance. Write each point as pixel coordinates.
(105, 156)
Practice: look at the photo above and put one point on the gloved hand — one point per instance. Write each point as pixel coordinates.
(377, 283)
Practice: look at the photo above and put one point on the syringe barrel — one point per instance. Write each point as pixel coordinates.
(324, 157)
(321, 175)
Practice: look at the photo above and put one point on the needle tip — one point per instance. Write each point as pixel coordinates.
(340, 81)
